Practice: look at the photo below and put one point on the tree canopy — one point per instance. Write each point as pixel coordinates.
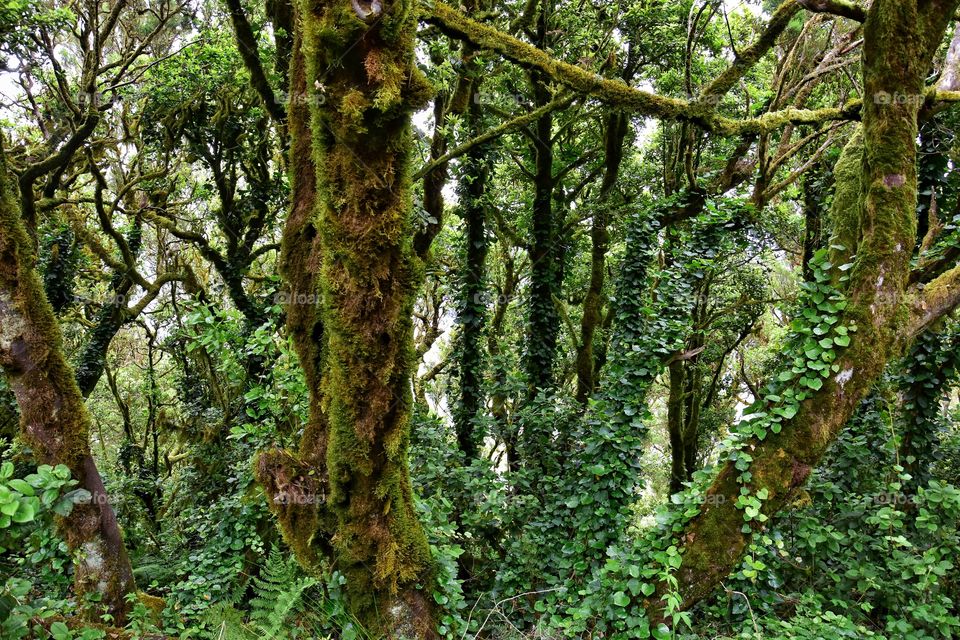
(540, 319)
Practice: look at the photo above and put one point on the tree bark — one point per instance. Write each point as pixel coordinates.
(543, 320)
(900, 40)
(110, 319)
(348, 248)
(617, 126)
(53, 418)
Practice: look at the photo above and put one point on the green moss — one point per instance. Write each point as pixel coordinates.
(33, 361)
(363, 268)
(847, 192)
(155, 605)
(875, 212)
(619, 94)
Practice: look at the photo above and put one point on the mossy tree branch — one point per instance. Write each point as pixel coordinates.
(839, 8)
(749, 57)
(250, 54)
(617, 93)
(933, 301)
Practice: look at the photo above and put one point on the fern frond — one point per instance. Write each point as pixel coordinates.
(279, 591)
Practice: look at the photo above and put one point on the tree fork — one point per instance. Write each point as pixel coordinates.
(900, 40)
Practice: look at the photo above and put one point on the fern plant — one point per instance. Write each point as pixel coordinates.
(279, 598)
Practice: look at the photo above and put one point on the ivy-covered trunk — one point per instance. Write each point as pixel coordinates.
(931, 365)
(472, 310)
(109, 321)
(875, 211)
(54, 421)
(617, 125)
(543, 319)
(349, 260)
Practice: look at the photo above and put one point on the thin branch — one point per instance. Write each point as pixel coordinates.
(519, 122)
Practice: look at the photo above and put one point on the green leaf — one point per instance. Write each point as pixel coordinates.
(22, 486)
(25, 513)
(63, 507)
(621, 599)
(60, 631)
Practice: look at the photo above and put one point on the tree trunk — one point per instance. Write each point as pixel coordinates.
(675, 425)
(347, 492)
(543, 319)
(929, 371)
(112, 317)
(472, 314)
(812, 223)
(900, 39)
(617, 126)
(53, 418)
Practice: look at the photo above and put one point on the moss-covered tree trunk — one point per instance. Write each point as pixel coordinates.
(879, 222)
(53, 419)
(345, 496)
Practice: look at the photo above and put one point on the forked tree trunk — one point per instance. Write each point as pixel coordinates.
(53, 418)
(879, 220)
(345, 496)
